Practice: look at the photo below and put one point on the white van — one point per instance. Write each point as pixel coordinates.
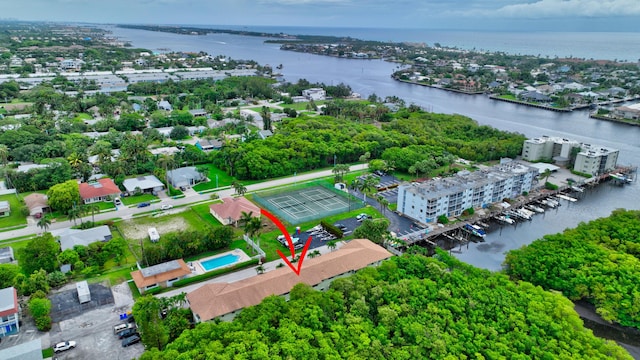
(120, 327)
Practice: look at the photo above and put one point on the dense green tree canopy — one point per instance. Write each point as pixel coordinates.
(64, 196)
(306, 143)
(41, 252)
(597, 262)
(411, 307)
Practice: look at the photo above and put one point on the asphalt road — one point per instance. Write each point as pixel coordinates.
(191, 197)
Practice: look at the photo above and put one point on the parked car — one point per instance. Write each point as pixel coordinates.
(130, 340)
(121, 327)
(340, 226)
(363, 216)
(64, 346)
(144, 204)
(166, 207)
(126, 333)
(117, 201)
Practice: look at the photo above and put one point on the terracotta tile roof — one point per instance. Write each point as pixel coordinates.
(102, 187)
(159, 273)
(217, 299)
(233, 208)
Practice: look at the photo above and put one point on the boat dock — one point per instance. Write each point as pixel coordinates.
(521, 209)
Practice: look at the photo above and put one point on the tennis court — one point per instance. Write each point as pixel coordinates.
(311, 203)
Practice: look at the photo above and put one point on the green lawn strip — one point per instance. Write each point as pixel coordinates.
(269, 242)
(136, 199)
(47, 353)
(134, 290)
(15, 218)
(202, 210)
(12, 228)
(301, 105)
(223, 179)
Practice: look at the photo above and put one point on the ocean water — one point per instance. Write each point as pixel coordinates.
(623, 46)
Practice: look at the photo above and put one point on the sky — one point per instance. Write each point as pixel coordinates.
(499, 15)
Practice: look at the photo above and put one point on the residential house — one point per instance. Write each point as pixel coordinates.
(37, 204)
(534, 96)
(99, 190)
(185, 176)
(5, 209)
(209, 144)
(224, 300)
(160, 275)
(165, 105)
(68, 237)
(146, 184)
(198, 112)
(6, 255)
(9, 312)
(314, 94)
(265, 134)
(26, 167)
(229, 212)
(631, 112)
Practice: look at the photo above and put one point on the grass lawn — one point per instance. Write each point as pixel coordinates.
(223, 179)
(269, 244)
(508, 97)
(301, 105)
(136, 199)
(15, 218)
(203, 211)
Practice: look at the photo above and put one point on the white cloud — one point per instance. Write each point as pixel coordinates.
(570, 8)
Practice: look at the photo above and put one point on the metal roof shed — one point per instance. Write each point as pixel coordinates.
(84, 295)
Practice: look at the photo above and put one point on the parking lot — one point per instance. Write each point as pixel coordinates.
(93, 331)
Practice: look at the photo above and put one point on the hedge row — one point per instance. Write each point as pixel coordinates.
(211, 274)
(332, 229)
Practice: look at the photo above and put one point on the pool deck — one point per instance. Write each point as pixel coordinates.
(197, 268)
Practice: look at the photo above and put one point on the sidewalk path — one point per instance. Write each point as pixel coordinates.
(190, 198)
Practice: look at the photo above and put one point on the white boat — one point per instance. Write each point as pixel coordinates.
(525, 214)
(554, 202)
(565, 197)
(505, 219)
(577, 188)
(534, 208)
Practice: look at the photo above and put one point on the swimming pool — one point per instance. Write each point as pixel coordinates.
(220, 261)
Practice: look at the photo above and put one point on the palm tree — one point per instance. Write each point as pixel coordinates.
(260, 269)
(245, 218)
(340, 170)
(73, 214)
(75, 160)
(164, 161)
(239, 188)
(368, 184)
(4, 154)
(93, 208)
(44, 223)
(546, 174)
(314, 254)
(331, 245)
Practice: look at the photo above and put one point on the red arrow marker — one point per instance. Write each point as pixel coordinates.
(284, 232)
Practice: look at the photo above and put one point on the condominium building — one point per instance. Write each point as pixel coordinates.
(549, 148)
(587, 158)
(596, 160)
(450, 196)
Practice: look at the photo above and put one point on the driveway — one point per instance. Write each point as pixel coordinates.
(93, 331)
